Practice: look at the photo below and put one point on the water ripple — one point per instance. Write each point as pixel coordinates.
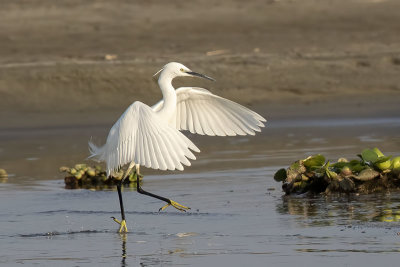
(48, 212)
(55, 233)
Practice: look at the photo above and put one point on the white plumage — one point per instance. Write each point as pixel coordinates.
(151, 137)
(199, 111)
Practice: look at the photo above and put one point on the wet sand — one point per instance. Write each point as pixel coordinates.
(53, 56)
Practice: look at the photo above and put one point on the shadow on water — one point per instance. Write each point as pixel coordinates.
(68, 233)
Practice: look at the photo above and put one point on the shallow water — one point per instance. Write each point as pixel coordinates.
(239, 215)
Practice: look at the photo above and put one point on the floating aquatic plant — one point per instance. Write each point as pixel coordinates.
(373, 172)
(3, 175)
(83, 176)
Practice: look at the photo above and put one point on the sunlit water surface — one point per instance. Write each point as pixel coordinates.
(239, 215)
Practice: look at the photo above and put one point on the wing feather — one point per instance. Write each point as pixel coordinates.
(157, 146)
(227, 125)
(208, 122)
(140, 136)
(204, 122)
(142, 160)
(196, 121)
(243, 126)
(153, 154)
(188, 120)
(234, 126)
(199, 111)
(178, 115)
(165, 152)
(215, 126)
(146, 149)
(172, 147)
(244, 116)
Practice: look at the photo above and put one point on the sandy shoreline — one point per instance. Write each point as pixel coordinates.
(273, 55)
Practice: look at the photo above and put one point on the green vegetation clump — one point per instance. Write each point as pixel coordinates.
(3, 175)
(373, 172)
(83, 176)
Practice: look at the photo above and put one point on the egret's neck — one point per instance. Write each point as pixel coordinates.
(169, 96)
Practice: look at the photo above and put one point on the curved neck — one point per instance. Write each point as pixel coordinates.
(169, 96)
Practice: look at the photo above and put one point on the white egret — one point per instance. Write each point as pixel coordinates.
(151, 137)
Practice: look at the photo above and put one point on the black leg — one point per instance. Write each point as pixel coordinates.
(121, 203)
(122, 223)
(169, 201)
(141, 191)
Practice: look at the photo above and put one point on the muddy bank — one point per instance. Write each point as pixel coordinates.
(53, 57)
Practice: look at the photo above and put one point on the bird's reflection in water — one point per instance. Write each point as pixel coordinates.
(123, 237)
(341, 209)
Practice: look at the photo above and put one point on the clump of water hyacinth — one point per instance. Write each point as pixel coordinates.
(3, 175)
(372, 172)
(83, 176)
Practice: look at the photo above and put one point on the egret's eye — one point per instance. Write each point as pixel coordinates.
(182, 70)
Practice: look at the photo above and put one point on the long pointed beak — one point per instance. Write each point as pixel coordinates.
(200, 75)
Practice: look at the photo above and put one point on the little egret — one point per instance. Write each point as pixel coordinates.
(151, 137)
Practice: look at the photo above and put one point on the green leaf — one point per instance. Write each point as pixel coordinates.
(357, 168)
(378, 152)
(354, 162)
(327, 165)
(340, 165)
(331, 174)
(280, 175)
(383, 159)
(316, 160)
(369, 155)
(315, 168)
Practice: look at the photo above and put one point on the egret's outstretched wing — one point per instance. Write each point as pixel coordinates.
(200, 111)
(140, 136)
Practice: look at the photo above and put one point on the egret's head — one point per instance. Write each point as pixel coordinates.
(174, 69)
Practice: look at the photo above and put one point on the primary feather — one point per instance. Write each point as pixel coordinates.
(199, 111)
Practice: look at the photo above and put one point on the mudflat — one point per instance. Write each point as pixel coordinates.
(86, 61)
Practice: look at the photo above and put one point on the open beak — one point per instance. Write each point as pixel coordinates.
(200, 75)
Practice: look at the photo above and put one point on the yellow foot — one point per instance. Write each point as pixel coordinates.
(122, 228)
(176, 205)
